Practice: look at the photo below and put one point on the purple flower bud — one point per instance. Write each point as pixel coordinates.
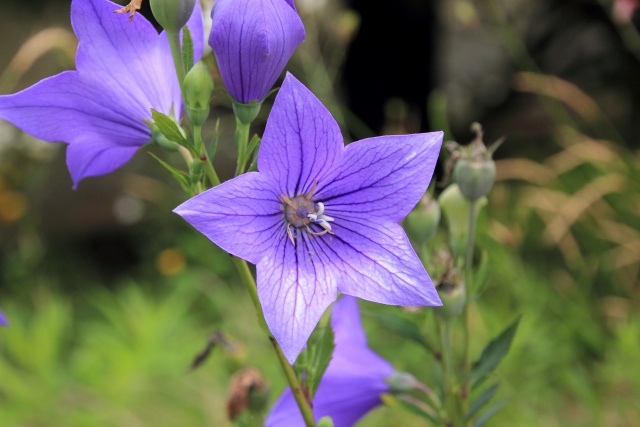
(253, 41)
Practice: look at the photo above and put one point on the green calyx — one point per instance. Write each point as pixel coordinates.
(198, 88)
(246, 113)
(172, 14)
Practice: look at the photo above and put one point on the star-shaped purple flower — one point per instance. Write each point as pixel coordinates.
(123, 70)
(353, 382)
(320, 217)
(253, 41)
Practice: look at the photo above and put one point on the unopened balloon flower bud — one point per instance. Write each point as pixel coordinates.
(475, 177)
(422, 223)
(456, 210)
(401, 382)
(453, 296)
(475, 170)
(172, 15)
(198, 88)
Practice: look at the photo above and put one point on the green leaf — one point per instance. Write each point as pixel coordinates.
(169, 128)
(418, 408)
(214, 141)
(482, 400)
(490, 412)
(180, 176)
(481, 275)
(253, 144)
(187, 49)
(493, 354)
(321, 353)
(405, 327)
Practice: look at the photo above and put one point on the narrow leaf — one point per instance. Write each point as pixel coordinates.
(493, 354)
(187, 49)
(181, 177)
(482, 400)
(322, 351)
(490, 413)
(404, 327)
(169, 128)
(410, 404)
(214, 142)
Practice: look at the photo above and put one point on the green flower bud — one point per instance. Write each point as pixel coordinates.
(160, 140)
(453, 296)
(422, 223)
(475, 178)
(198, 88)
(246, 113)
(401, 382)
(474, 170)
(456, 209)
(325, 422)
(172, 14)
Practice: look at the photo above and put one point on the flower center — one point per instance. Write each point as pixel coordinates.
(297, 210)
(300, 211)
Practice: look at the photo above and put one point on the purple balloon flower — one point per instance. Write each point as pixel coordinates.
(353, 382)
(3, 320)
(320, 217)
(123, 70)
(253, 41)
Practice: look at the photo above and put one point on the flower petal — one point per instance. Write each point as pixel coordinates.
(253, 41)
(382, 177)
(85, 160)
(375, 262)
(302, 141)
(127, 58)
(66, 108)
(241, 215)
(3, 320)
(295, 287)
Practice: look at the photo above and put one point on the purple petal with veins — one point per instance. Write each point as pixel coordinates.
(319, 218)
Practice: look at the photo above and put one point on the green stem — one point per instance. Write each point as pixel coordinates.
(242, 142)
(176, 53)
(447, 372)
(204, 158)
(468, 269)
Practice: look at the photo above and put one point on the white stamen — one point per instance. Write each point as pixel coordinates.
(320, 219)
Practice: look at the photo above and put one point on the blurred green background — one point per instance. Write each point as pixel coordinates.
(110, 296)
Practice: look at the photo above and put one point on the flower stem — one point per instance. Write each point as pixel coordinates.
(176, 53)
(204, 158)
(242, 142)
(468, 269)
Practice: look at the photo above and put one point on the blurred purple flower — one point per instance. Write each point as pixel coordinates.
(253, 41)
(3, 320)
(123, 70)
(353, 382)
(320, 217)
